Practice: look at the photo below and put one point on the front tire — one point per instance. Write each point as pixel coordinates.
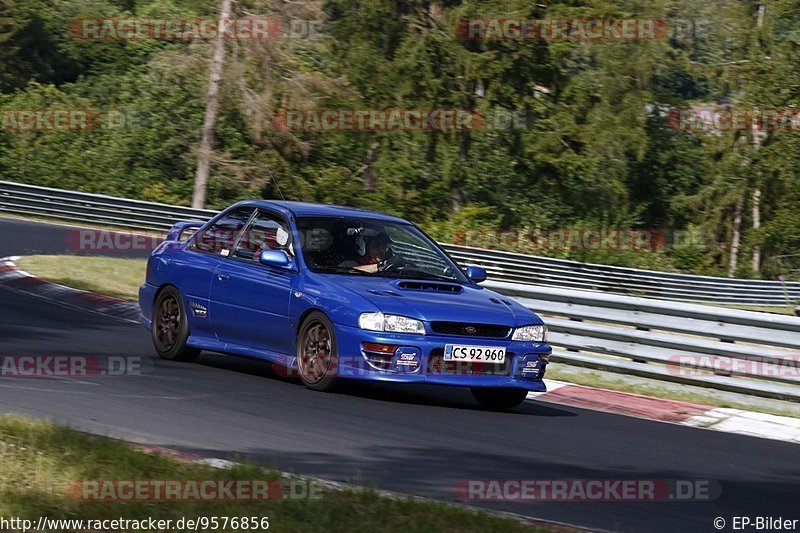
(317, 353)
(170, 327)
(500, 399)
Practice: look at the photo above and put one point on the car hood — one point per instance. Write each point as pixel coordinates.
(432, 300)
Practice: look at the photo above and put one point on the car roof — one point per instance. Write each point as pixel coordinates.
(303, 209)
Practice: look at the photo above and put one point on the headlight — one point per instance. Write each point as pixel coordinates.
(371, 321)
(530, 333)
(390, 323)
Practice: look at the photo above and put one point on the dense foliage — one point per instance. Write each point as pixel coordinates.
(578, 132)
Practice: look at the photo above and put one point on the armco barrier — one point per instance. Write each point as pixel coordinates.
(726, 349)
(83, 208)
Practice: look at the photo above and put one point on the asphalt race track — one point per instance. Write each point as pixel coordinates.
(416, 440)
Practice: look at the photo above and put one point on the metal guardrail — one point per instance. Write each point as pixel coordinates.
(590, 325)
(99, 209)
(521, 268)
(31, 200)
(747, 352)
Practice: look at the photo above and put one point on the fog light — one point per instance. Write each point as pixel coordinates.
(380, 348)
(379, 355)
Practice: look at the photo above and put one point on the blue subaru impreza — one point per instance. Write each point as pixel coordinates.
(330, 293)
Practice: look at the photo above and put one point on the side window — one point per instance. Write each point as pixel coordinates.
(222, 234)
(266, 232)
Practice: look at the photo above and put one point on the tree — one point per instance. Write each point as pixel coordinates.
(212, 108)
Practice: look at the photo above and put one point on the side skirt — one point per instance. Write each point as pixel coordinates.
(213, 345)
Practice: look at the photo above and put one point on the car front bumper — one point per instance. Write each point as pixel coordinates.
(419, 359)
(147, 295)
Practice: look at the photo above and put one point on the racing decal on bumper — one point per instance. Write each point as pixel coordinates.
(198, 310)
(407, 359)
(532, 367)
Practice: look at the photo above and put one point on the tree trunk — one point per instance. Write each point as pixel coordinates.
(370, 180)
(456, 199)
(456, 194)
(737, 226)
(762, 12)
(212, 107)
(756, 225)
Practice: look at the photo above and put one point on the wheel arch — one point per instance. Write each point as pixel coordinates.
(304, 315)
(161, 288)
(164, 286)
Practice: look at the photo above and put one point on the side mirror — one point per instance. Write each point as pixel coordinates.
(476, 274)
(275, 258)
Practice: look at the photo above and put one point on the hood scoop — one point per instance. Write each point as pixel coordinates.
(430, 286)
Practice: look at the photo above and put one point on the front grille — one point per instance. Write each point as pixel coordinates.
(437, 365)
(468, 329)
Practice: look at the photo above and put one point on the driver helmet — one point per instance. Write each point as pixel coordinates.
(379, 240)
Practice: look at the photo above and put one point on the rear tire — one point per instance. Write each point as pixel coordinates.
(170, 327)
(500, 399)
(317, 353)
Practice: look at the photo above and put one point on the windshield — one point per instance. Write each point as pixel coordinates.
(373, 248)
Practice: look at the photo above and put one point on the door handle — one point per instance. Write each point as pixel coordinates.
(223, 277)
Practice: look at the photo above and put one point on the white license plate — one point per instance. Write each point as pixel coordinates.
(474, 354)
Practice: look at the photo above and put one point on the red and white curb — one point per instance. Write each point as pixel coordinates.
(13, 278)
(738, 421)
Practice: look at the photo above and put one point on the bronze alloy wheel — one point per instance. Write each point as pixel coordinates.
(170, 327)
(168, 320)
(317, 357)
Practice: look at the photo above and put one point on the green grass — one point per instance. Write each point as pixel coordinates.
(40, 463)
(113, 276)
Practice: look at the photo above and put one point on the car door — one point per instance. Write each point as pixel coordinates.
(193, 270)
(249, 304)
